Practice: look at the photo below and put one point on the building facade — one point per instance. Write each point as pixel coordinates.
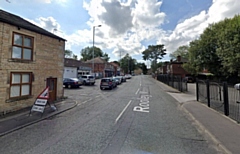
(31, 59)
(101, 67)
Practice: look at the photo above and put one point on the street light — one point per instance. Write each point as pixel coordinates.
(93, 46)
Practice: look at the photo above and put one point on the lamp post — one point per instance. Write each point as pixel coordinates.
(93, 47)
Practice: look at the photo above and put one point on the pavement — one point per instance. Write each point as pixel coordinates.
(20, 119)
(222, 130)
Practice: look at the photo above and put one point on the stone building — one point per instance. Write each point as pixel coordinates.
(31, 59)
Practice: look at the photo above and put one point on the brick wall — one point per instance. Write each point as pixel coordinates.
(48, 61)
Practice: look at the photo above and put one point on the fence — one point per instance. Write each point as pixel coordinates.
(219, 96)
(174, 81)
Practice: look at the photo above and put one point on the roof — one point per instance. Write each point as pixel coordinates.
(96, 60)
(68, 62)
(114, 64)
(22, 23)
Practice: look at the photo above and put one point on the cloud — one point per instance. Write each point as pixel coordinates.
(51, 1)
(49, 24)
(190, 29)
(147, 14)
(116, 16)
(129, 26)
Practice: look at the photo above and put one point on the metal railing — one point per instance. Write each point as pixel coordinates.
(173, 81)
(219, 96)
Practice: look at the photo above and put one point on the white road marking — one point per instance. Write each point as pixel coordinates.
(137, 91)
(119, 116)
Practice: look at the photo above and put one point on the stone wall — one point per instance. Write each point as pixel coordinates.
(48, 61)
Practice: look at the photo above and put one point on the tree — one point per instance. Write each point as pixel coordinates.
(75, 57)
(68, 54)
(181, 51)
(154, 53)
(105, 57)
(87, 53)
(128, 64)
(229, 45)
(217, 49)
(143, 67)
(194, 64)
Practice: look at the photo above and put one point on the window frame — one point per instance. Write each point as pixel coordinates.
(20, 84)
(22, 46)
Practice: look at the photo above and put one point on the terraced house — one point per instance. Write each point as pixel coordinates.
(31, 59)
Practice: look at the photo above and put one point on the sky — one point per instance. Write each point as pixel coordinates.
(127, 26)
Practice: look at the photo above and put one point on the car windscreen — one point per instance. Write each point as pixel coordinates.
(105, 80)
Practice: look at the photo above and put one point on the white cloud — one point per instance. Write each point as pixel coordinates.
(126, 24)
(147, 14)
(51, 1)
(191, 28)
(49, 24)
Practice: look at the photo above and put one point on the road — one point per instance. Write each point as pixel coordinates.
(137, 117)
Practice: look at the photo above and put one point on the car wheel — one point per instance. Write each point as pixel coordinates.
(84, 82)
(101, 88)
(110, 88)
(69, 86)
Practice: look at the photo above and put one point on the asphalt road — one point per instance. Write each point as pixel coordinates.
(137, 117)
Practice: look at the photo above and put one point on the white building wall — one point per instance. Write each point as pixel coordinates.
(70, 72)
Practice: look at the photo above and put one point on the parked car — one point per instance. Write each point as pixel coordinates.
(124, 79)
(107, 83)
(128, 76)
(72, 82)
(117, 80)
(88, 79)
(189, 79)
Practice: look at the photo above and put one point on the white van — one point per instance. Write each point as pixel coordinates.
(88, 79)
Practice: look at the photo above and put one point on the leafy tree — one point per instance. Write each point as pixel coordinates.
(75, 57)
(128, 64)
(181, 51)
(217, 49)
(194, 64)
(68, 53)
(143, 67)
(229, 45)
(87, 53)
(105, 57)
(154, 53)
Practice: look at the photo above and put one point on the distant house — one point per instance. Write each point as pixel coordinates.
(101, 67)
(174, 67)
(31, 59)
(75, 68)
(116, 68)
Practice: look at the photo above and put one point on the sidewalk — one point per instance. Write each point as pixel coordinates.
(222, 130)
(18, 120)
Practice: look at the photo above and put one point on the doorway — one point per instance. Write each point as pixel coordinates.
(52, 84)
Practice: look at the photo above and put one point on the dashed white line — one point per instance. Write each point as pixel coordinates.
(137, 91)
(119, 116)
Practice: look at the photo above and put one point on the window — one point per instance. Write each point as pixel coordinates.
(20, 84)
(22, 47)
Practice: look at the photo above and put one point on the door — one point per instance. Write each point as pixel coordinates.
(52, 84)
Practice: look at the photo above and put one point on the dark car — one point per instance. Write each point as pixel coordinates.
(107, 83)
(189, 79)
(72, 82)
